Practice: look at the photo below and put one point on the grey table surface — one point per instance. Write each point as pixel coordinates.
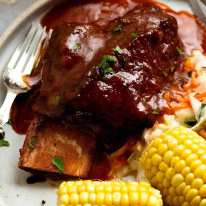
(8, 12)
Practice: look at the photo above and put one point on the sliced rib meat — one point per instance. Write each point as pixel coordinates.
(48, 139)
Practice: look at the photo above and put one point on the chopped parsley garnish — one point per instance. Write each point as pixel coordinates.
(107, 70)
(117, 50)
(58, 163)
(77, 46)
(156, 111)
(180, 51)
(118, 53)
(191, 122)
(32, 143)
(134, 35)
(4, 143)
(117, 29)
(105, 67)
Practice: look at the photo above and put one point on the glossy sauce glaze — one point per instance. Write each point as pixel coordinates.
(191, 31)
(100, 14)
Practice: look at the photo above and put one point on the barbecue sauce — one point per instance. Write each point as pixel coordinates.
(192, 33)
(101, 12)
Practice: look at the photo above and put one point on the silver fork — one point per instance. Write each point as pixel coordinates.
(21, 63)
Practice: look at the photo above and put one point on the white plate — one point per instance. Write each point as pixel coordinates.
(14, 191)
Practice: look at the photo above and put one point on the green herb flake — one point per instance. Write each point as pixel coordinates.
(108, 59)
(4, 143)
(58, 163)
(105, 67)
(117, 50)
(134, 35)
(77, 46)
(32, 143)
(156, 111)
(117, 29)
(180, 51)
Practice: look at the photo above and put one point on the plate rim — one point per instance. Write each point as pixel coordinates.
(19, 20)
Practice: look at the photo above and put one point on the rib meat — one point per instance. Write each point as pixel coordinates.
(47, 139)
(118, 73)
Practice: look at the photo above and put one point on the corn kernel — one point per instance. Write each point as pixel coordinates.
(74, 199)
(181, 172)
(108, 199)
(177, 180)
(203, 191)
(100, 198)
(152, 201)
(168, 156)
(180, 188)
(139, 194)
(83, 198)
(203, 202)
(156, 159)
(143, 198)
(92, 198)
(170, 173)
(162, 148)
(64, 199)
(191, 194)
(180, 166)
(197, 183)
(124, 199)
(174, 161)
(200, 171)
(186, 171)
(133, 198)
(196, 201)
(189, 178)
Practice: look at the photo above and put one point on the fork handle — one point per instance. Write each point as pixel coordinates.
(5, 110)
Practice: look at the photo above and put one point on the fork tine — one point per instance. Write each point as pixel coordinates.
(24, 55)
(42, 46)
(15, 56)
(33, 50)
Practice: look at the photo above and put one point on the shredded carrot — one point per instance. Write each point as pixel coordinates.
(188, 66)
(183, 99)
(194, 75)
(201, 96)
(178, 106)
(167, 96)
(187, 86)
(178, 98)
(194, 83)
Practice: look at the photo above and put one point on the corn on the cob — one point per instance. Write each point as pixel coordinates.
(89, 193)
(175, 163)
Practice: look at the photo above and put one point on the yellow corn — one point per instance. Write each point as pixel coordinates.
(175, 163)
(97, 193)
